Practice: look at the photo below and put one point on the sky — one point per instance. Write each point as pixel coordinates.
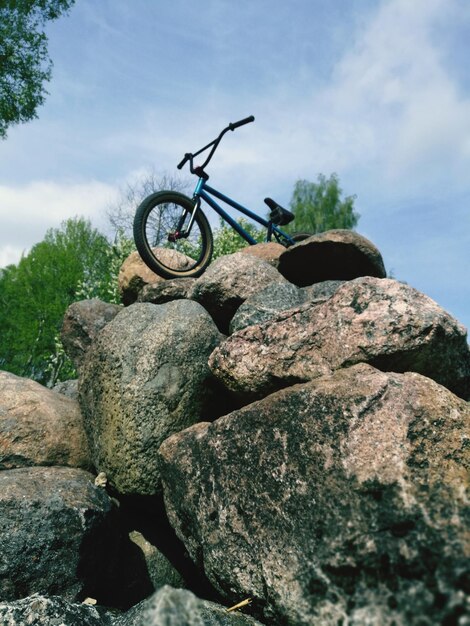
(377, 91)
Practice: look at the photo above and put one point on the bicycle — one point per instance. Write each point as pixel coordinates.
(173, 235)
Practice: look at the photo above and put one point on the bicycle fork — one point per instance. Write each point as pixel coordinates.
(179, 233)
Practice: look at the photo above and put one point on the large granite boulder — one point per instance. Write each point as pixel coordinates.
(379, 321)
(269, 251)
(277, 297)
(166, 291)
(57, 533)
(134, 273)
(332, 255)
(179, 607)
(342, 500)
(82, 322)
(146, 378)
(39, 426)
(40, 610)
(229, 281)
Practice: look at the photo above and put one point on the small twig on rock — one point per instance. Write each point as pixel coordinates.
(239, 605)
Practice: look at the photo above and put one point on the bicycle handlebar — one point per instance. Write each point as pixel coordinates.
(247, 120)
(186, 157)
(189, 156)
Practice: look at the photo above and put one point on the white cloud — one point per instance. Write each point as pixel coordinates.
(394, 83)
(392, 112)
(27, 212)
(9, 255)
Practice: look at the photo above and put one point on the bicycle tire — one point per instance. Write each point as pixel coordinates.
(156, 220)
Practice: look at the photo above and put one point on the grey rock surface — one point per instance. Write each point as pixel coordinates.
(134, 273)
(146, 378)
(342, 500)
(40, 610)
(39, 426)
(269, 251)
(277, 297)
(67, 388)
(229, 281)
(179, 607)
(380, 321)
(161, 572)
(82, 322)
(57, 533)
(166, 291)
(333, 255)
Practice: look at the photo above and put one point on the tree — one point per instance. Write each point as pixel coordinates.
(35, 294)
(24, 61)
(318, 206)
(121, 213)
(228, 241)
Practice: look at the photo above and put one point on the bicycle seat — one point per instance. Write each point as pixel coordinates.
(278, 215)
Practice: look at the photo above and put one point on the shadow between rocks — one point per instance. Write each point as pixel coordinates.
(147, 515)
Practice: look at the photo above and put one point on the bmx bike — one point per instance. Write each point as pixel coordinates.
(168, 221)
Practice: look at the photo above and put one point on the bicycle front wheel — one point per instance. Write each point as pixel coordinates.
(168, 240)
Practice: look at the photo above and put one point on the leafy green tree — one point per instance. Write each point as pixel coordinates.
(318, 206)
(227, 240)
(24, 61)
(105, 286)
(35, 294)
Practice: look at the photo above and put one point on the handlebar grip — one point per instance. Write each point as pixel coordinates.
(247, 120)
(186, 157)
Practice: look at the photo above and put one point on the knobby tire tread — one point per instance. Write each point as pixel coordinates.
(144, 248)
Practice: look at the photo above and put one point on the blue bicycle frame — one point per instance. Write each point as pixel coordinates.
(205, 191)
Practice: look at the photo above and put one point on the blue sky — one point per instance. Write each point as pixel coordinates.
(377, 91)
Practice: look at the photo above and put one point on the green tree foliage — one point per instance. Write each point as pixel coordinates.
(24, 61)
(35, 294)
(105, 286)
(318, 206)
(227, 240)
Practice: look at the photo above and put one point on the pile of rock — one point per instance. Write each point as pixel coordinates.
(299, 420)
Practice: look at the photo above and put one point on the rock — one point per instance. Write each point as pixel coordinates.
(161, 571)
(332, 255)
(39, 426)
(380, 321)
(277, 297)
(229, 281)
(57, 532)
(321, 292)
(269, 251)
(146, 378)
(67, 388)
(166, 291)
(134, 274)
(152, 555)
(39, 610)
(266, 305)
(342, 500)
(82, 322)
(178, 607)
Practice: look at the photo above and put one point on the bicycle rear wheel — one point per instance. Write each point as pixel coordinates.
(167, 242)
